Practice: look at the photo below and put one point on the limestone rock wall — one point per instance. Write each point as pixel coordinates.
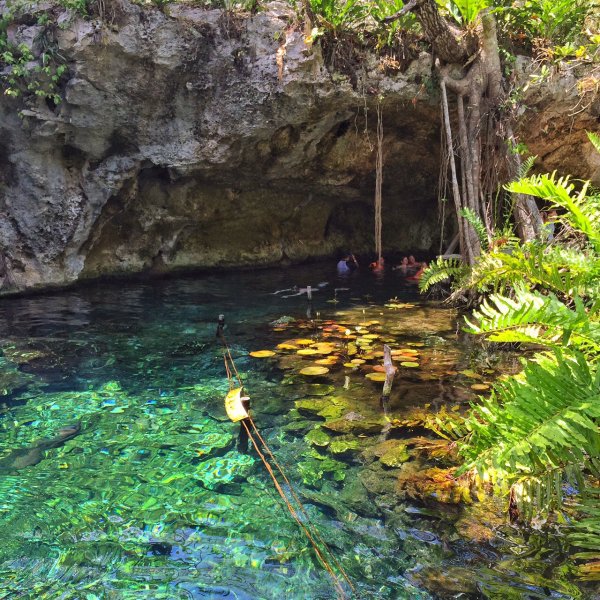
(195, 139)
(182, 143)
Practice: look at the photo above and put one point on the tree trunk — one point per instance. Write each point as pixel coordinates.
(480, 96)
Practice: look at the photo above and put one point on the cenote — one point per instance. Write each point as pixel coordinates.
(149, 497)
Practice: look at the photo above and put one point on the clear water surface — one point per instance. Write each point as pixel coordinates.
(150, 498)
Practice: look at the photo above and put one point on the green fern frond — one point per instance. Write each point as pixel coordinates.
(442, 269)
(584, 534)
(565, 272)
(477, 224)
(595, 139)
(582, 210)
(526, 166)
(536, 318)
(548, 421)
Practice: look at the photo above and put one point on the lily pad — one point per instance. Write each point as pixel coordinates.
(376, 376)
(262, 353)
(307, 352)
(314, 371)
(480, 387)
(410, 365)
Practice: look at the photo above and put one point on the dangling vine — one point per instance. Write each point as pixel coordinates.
(378, 182)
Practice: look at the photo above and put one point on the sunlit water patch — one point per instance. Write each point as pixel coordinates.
(121, 476)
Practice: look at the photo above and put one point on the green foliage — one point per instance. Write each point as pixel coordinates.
(335, 15)
(443, 270)
(582, 210)
(584, 534)
(379, 10)
(79, 6)
(24, 74)
(554, 21)
(537, 318)
(464, 11)
(537, 428)
(595, 139)
(478, 225)
(565, 271)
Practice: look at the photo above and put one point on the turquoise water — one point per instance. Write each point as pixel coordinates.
(151, 498)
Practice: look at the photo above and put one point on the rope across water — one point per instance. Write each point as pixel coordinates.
(307, 527)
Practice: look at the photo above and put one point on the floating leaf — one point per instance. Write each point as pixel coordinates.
(262, 353)
(307, 352)
(376, 376)
(480, 387)
(314, 371)
(303, 342)
(358, 361)
(326, 361)
(470, 373)
(286, 346)
(410, 365)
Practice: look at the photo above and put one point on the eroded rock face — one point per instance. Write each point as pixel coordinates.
(556, 115)
(183, 142)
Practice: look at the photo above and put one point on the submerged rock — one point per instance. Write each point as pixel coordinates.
(433, 484)
(220, 472)
(354, 424)
(317, 437)
(396, 456)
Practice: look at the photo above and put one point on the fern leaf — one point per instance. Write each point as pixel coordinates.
(441, 270)
(533, 317)
(582, 212)
(595, 139)
(475, 221)
(531, 435)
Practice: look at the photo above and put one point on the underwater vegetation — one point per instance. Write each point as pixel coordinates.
(150, 497)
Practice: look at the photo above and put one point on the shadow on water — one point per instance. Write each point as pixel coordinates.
(151, 499)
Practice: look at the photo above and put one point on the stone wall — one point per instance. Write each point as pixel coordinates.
(183, 141)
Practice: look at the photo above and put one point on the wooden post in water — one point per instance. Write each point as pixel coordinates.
(390, 371)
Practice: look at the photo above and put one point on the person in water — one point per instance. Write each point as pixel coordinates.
(378, 266)
(403, 266)
(412, 265)
(347, 264)
(417, 276)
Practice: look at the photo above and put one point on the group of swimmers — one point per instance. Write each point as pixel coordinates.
(408, 267)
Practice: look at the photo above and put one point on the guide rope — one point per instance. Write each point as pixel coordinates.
(309, 529)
